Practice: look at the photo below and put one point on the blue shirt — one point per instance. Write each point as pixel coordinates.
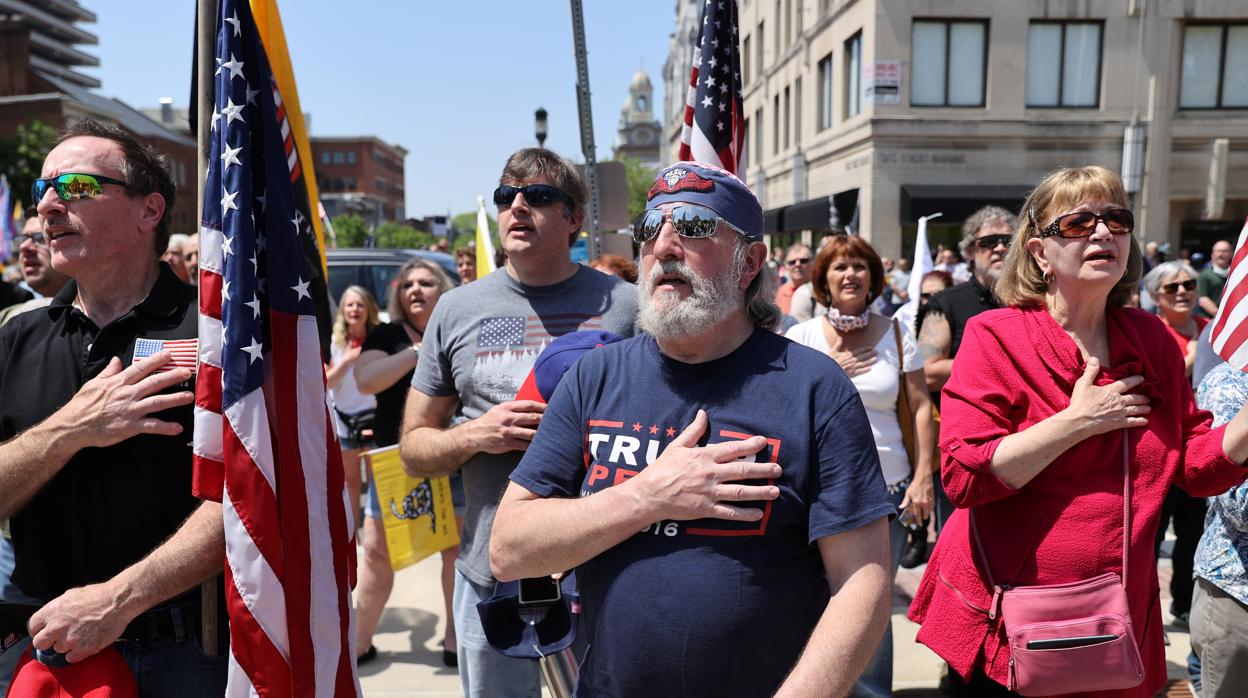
(1223, 548)
(707, 607)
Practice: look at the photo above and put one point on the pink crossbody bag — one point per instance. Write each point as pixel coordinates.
(1070, 638)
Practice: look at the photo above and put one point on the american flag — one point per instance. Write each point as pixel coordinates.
(518, 333)
(1229, 336)
(714, 130)
(264, 444)
(185, 352)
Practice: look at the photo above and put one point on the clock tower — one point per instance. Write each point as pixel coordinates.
(640, 133)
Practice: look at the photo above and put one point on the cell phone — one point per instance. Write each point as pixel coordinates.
(1062, 643)
(539, 590)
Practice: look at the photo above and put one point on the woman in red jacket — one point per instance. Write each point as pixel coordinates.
(1034, 417)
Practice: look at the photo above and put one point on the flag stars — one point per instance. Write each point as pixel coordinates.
(238, 29)
(235, 67)
(230, 157)
(654, 429)
(232, 112)
(254, 304)
(227, 202)
(710, 81)
(225, 291)
(707, 101)
(254, 350)
(261, 200)
(216, 116)
(301, 290)
(637, 427)
(227, 247)
(251, 95)
(670, 432)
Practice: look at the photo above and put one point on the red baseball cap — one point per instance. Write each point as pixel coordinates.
(102, 675)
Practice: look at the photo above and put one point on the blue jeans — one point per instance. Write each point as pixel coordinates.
(877, 679)
(484, 672)
(171, 668)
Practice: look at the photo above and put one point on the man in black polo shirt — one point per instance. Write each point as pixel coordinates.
(986, 238)
(95, 464)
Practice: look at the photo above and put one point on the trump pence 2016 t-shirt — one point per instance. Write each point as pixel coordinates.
(707, 607)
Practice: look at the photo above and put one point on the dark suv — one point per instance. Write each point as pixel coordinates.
(374, 269)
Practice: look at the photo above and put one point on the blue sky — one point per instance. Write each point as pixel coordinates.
(456, 83)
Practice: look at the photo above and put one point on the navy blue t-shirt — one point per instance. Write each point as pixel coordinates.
(708, 607)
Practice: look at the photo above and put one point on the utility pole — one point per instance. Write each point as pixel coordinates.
(587, 127)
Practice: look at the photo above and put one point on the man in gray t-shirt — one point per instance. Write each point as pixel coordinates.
(481, 343)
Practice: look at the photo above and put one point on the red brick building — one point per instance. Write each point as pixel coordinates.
(38, 80)
(361, 175)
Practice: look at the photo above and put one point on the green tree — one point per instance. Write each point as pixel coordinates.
(640, 178)
(398, 235)
(466, 224)
(350, 230)
(21, 157)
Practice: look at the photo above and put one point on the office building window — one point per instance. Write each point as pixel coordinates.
(788, 23)
(797, 113)
(350, 157)
(1064, 64)
(775, 124)
(760, 35)
(825, 93)
(339, 158)
(853, 75)
(745, 61)
(758, 137)
(1215, 67)
(325, 157)
(788, 114)
(947, 63)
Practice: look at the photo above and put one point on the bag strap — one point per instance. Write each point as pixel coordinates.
(1126, 519)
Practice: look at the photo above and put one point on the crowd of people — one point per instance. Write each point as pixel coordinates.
(735, 483)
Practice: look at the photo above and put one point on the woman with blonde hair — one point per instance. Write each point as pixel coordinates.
(384, 369)
(353, 411)
(1066, 419)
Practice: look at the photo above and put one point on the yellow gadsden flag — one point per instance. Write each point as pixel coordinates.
(417, 513)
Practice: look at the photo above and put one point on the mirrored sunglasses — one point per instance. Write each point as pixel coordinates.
(37, 239)
(536, 195)
(690, 221)
(1082, 224)
(71, 186)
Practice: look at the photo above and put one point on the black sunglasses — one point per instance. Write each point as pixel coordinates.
(927, 295)
(38, 239)
(71, 186)
(797, 260)
(534, 194)
(989, 242)
(1082, 224)
(690, 221)
(1173, 287)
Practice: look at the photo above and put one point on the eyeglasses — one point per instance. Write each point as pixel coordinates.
(1173, 287)
(926, 296)
(37, 239)
(71, 186)
(534, 194)
(796, 261)
(990, 242)
(1081, 224)
(690, 221)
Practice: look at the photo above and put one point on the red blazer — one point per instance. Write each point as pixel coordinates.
(1016, 367)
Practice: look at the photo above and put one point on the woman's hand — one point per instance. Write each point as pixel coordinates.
(855, 362)
(1101, 409)
(352, 353)
(920, 496)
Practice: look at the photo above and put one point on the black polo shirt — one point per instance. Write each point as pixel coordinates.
(108, 507)
(958, 304)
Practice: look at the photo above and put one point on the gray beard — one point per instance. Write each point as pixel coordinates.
(711, 300)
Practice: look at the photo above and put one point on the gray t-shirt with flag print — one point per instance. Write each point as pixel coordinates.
(481, 343)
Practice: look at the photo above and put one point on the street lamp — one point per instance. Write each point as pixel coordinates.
(539, 125)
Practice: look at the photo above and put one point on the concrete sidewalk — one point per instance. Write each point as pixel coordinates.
(409, 659)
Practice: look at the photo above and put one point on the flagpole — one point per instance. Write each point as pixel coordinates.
(206, 15)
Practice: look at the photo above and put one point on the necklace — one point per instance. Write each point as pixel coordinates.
(848, 323)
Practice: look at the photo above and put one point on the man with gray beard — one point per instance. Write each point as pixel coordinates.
(715, 485)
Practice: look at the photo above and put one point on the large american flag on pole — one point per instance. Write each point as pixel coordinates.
(263, 441)
(1229, 336)
(714, 130)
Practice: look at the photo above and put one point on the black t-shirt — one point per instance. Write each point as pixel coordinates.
(392, 339)
(959, 304)
(707, 607)
(107, 507)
